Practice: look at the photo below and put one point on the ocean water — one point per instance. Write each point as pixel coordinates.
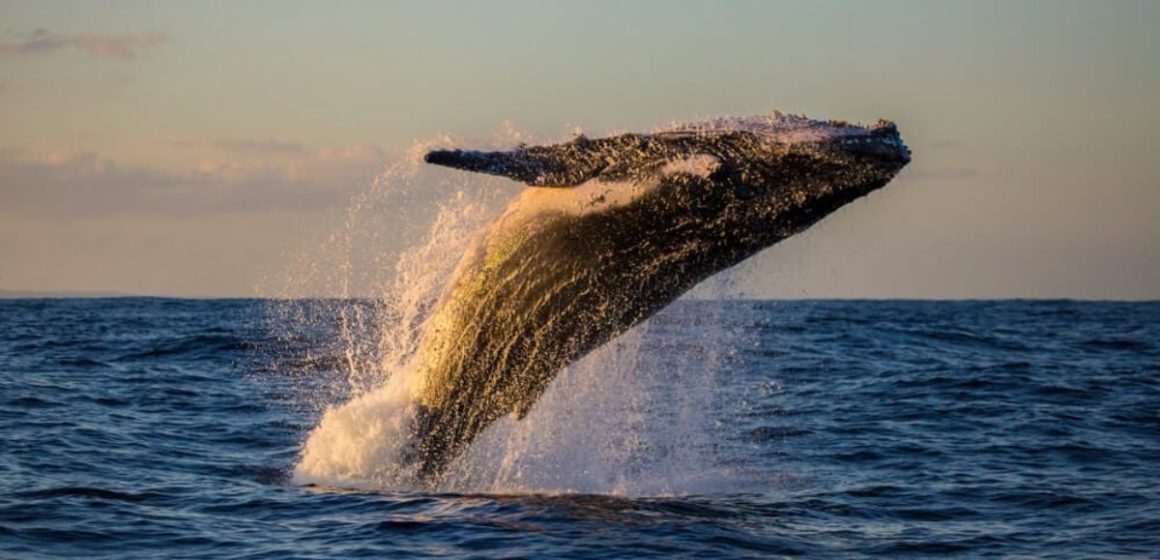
(144, 428)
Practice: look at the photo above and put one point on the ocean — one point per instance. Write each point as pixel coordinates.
(148, 427)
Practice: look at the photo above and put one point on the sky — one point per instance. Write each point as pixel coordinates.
(195, 148)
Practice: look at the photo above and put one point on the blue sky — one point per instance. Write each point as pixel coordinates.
(186, 148)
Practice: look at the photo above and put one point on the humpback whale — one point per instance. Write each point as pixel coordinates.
(609, 232)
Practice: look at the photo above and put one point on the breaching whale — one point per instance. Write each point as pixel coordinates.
(611, 231)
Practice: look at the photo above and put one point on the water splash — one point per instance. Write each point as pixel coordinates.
(633, 418)
(359, 443)
(624, 420)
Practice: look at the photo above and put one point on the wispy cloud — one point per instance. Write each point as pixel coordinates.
(125, 46)
(261, 147)
(88, 184)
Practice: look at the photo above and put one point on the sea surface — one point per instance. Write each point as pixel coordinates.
(147, 428)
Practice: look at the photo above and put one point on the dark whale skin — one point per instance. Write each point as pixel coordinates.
(556, 278)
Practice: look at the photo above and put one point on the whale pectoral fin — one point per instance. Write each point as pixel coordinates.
(523, 165)
(517, 165)
(559, 165)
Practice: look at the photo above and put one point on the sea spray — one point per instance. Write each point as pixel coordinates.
(618, 421)
(347, 311)
(360, 443)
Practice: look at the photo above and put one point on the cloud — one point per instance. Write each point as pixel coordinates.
(125, 46)
(86, 184)
(261, 147)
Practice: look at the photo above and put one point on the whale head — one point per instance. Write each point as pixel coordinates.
(763, 177)
(786, 172)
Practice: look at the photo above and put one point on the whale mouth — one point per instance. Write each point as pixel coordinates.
(881, 143)
(784, 129)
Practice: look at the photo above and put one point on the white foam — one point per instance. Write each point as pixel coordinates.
(359, 444)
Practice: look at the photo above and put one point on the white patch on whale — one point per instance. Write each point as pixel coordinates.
(697, 165)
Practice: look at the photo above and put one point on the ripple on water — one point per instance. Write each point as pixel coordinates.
(162, 428)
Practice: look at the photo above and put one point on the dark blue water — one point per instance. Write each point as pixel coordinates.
(142, 428)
